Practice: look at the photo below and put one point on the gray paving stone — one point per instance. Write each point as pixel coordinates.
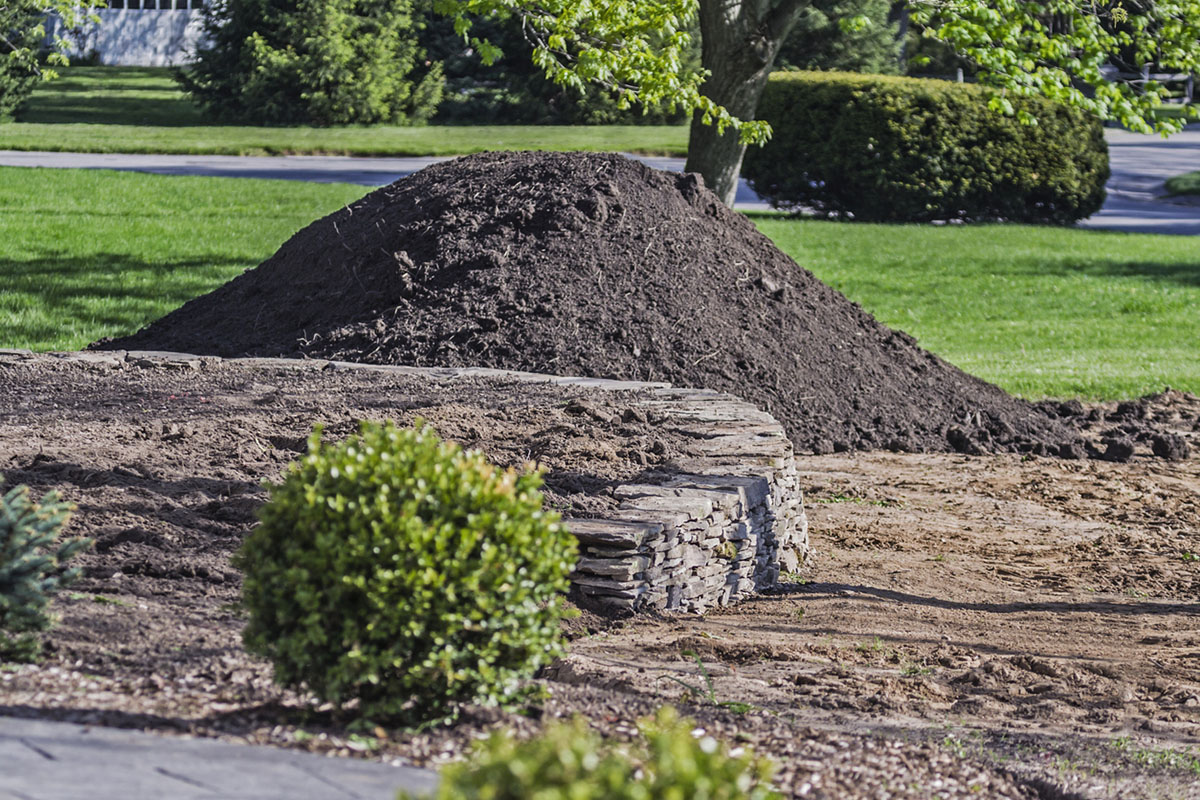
(41, 760)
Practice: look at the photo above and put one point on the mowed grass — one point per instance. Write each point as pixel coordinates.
(90, 253)
(141, 110)
(1041, 311)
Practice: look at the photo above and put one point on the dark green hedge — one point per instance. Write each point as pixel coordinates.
(894, 149)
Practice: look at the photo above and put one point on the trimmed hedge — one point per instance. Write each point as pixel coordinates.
(889, 149)
(403, 572)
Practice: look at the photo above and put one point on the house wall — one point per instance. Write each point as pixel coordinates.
(144, 37)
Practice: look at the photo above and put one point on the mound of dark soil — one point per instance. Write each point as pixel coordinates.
(596, 265)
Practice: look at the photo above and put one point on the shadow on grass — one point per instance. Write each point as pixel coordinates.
(52, 293)
(70, 109)
(103, 96)
(1180, 273)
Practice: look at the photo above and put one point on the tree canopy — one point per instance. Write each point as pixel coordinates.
(1057, 48)
(23, 31)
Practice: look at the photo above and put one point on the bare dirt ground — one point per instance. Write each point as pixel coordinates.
(986, 626)
(1041, 615)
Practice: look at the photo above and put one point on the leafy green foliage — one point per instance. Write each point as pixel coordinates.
(26, 55)
(640, 51)
(21, 34)
(570, 762)
(398, 570)
(900, 149)
(1059, 50)
(513, 90)
(843, 35)
(312, 62)
(1054, 49)
(30, 567)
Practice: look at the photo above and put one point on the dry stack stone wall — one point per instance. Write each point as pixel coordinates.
(726, 525)
(723, 529)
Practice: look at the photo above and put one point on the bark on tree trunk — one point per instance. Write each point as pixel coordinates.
(739, 42)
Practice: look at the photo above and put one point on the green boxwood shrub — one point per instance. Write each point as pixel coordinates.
(570, 762)
(31, 559)
(400, 571)
(892, 149)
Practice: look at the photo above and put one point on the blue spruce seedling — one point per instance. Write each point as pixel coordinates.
(30, 568)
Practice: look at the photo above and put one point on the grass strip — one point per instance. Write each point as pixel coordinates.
(141, 110)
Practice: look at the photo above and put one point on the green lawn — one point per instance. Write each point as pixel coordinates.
(89, 253)
(140, 110)
(1041, 311)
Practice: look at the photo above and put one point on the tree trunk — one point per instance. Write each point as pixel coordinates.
(739, 42)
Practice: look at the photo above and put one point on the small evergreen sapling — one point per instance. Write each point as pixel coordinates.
(30, 568)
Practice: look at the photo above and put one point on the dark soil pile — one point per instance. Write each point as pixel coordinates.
(596, 265)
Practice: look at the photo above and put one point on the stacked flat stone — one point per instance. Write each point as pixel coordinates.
(723, 527)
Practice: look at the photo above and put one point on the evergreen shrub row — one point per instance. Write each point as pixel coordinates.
(891, 149)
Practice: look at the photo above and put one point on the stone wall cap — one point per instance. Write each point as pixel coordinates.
(611, 533)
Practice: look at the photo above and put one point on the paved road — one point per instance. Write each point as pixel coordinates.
(60, 761)
(1140, 164)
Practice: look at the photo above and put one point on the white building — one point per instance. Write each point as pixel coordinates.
(145, 33)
